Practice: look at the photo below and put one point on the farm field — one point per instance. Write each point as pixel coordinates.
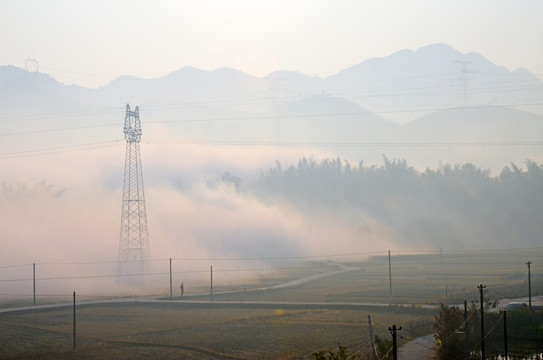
(417, 279)
(183, 328)
(177, 330)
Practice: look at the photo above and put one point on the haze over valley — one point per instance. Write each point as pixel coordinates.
(385, 154)
(271, 179)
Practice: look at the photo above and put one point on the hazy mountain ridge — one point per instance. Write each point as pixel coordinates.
(433, 66)
(21, 91)
(449, 96)
(435, 76)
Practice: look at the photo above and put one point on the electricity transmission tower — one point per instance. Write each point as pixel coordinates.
(465, 80)
(134, 242)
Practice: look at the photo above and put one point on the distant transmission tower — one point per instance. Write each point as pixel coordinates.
(32, 65)
(464, 80)
(134, 243)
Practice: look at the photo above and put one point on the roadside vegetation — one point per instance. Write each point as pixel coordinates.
(456, 337)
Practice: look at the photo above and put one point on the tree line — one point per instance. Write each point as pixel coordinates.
(458, 206)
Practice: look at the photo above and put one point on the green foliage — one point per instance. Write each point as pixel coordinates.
(524, 324)
(341, 354)
(383, 347)
(450, 202)
(449, 340)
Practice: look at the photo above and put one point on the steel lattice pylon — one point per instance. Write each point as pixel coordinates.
(134, 242)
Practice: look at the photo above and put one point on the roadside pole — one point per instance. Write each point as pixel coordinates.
(211, 289)
(481, 288)
(371, 337)
(34, 282)
(529, 285)
(466, 329)
(171, 285)
(505, 356)
(393, 330)
(74, 323)
(389, 275)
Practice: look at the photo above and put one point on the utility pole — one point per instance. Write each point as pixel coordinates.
(505, 356)
(171, 284)
(481, 288)
(34, 282)
(211, 282)
(74, 323)
(529, 263)
(371, 337)
(389, 275)
(466, 329)
(393, 330)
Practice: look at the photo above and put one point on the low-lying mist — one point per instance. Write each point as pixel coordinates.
(210, 206)
(68, 222)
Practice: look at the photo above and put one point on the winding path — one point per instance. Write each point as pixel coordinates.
(292, 283)
(417, 349)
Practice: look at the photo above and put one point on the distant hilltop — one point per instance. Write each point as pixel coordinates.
(434, 76)
(435, 94)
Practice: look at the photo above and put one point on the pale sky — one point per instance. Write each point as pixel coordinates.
(91, 43)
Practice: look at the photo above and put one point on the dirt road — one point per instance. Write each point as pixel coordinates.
(417, 349)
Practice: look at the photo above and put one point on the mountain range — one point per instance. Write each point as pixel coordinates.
(427, 106)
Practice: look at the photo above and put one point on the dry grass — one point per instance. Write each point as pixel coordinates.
(418, 279)
(174, 330)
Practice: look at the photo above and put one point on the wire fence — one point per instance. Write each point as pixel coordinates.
(405, 277)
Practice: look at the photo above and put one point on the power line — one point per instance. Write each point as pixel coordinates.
(301, 257)
(54, 115)
(218, 259)
(104, 144)
(60, 149)
(280, 257)
(347, 144)
(57, 129)
(530, 77)
(470, 251)
(77, 73)
(98, 262)
(14, 266)
(487, 87)
(500, 294)
(154, 273)
(270, 117)
(364, 113)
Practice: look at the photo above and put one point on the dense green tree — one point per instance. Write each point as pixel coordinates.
(383, 347)
(449, 339)
(456, 205)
